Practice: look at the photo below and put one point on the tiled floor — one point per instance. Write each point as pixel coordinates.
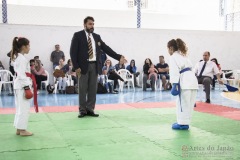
(128, 96)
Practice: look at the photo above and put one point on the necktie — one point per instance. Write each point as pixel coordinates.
(90, 50)
(200, 75)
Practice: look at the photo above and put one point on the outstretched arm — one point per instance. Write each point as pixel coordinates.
(110, 52)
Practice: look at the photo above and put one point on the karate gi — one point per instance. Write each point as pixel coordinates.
(189, 86)
(21, 66)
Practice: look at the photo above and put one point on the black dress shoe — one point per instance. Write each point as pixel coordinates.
(92, 114)
(208, 101)
(81, 115)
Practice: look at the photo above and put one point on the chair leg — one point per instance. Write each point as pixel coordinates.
(0, 88)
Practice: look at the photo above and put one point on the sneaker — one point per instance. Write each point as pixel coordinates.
(177, 126)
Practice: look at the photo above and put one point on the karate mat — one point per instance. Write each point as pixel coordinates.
(123, 132)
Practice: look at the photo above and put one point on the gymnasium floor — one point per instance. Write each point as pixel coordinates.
(133, 125)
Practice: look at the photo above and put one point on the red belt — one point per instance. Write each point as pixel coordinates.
(34, 90)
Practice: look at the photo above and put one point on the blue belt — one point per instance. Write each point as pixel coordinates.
(182, 71)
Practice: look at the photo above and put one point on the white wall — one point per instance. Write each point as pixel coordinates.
(135, 44)
(36, 15)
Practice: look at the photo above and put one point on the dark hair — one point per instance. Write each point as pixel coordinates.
(39, 65)
(208, 53)
(215, 59)
(31, 60)
(56, 45)
(88, 18)
(36, 57)
(161, 56)
(178, 44)
(17, 44)
(149, 61)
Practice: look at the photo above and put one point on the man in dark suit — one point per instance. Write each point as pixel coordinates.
(85, 54)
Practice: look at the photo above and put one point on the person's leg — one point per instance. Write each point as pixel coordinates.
(38, 81)
(135, 79)
(22, 113)
(92, 87)
(82, 92)
(64, 84)
(145, 77)
(164, 81)
(115, 79)
(60, 82)
(74, 80)
(192, 101)
(206, 83)
(213, 81)
(153, 79)
(185, 105)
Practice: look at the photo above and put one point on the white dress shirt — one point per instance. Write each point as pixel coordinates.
(21, 66)
(210, 70)
(93, 46)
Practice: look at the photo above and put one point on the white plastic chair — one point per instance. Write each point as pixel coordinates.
(5, 79)
(127, 77)
(234, 80)
(70, 81)
(47, 81)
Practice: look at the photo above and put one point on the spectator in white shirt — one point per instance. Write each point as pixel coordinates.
(205, 71)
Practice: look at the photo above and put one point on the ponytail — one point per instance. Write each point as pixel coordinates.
(178, 45)
(181, 46)
(17, 44)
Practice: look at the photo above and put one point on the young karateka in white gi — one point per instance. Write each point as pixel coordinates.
(185, 84)
(21, 85)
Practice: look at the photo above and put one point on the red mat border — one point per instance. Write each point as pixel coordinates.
(223, 111)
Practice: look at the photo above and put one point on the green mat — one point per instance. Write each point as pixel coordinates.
(130, 134)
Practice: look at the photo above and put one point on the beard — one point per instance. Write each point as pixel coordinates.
(90, 30)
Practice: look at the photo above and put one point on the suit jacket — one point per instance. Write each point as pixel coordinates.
(79, 51)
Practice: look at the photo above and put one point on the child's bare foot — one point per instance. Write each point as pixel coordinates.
(25, 133)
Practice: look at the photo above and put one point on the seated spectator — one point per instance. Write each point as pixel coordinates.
(39, 73)
(37, 58)
(163, 71)
(32, 65)
(205, 72)
(120, 65)
(146, 66)
(62, 81)
(220, 72)
(133, 70)
(71, 72)
(109, 70)
(152, 71)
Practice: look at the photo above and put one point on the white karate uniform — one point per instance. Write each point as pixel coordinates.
(21, 66)
(189, 86)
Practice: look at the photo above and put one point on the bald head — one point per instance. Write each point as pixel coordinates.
(206, 56)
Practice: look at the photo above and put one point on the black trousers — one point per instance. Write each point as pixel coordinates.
(39, 79)
(115, 77)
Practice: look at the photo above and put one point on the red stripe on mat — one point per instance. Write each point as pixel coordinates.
(227, 112)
